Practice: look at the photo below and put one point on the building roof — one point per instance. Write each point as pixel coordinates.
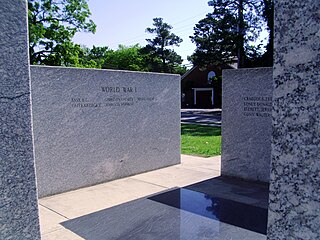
(233, 66)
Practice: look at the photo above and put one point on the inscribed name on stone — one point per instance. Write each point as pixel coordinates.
(93, 126)
(246, 123)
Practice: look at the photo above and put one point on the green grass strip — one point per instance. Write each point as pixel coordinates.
(198, 140)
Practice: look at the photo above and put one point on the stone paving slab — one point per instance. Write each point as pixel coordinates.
(61, 207)
(159, 222)
(61, 234)
(49, 220)
(91, 199)
(177, 176)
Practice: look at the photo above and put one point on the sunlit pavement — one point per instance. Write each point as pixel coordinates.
(186, 201)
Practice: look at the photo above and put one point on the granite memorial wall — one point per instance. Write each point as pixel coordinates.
(71, 121)
(246, 123)
(92, 126)
(294, 200)
(18, 193)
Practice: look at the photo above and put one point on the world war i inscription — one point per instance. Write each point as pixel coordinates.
(92, 126)
(246, 123)
(114, 97)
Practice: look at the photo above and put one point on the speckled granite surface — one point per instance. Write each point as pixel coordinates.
(246, 123)
(93, 126)
(18, 198)
(294, 210)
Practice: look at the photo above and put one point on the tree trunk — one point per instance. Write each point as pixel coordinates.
(241, 34)
(163, 57)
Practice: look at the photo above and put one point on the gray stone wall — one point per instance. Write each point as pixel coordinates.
(18, 195)
(294, 204)
(92, 126)
(246, 123)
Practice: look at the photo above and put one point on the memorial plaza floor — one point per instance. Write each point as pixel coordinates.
(189, 201)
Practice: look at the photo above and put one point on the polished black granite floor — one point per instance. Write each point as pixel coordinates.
(247, 192)
(184, 214)
(224, 210)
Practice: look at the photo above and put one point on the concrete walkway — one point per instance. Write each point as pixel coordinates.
(62, 207)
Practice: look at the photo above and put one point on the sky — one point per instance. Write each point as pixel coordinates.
(124, 22)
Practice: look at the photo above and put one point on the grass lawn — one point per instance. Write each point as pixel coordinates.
(204, 141)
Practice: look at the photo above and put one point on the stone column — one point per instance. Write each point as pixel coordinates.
(294, 204)
(18, 196)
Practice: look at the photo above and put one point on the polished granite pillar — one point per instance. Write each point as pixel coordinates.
(294, 204)
(18, 196)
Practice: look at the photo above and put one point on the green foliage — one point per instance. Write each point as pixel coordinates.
(266, 60)
(52, 24)
(93, 58)
(200, 140)
(160, 58)
(163, 37)
(216, 39)
(226, 33)
(126, 58)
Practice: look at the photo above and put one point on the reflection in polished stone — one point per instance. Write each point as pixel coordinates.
(225, 210)
(179, 214)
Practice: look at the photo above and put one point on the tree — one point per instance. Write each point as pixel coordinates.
(52, 24)
(216, 39)
(157, 47)
(126, 58)
(93, 58)
(231, 24)
(152, 59)
(268, 11)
